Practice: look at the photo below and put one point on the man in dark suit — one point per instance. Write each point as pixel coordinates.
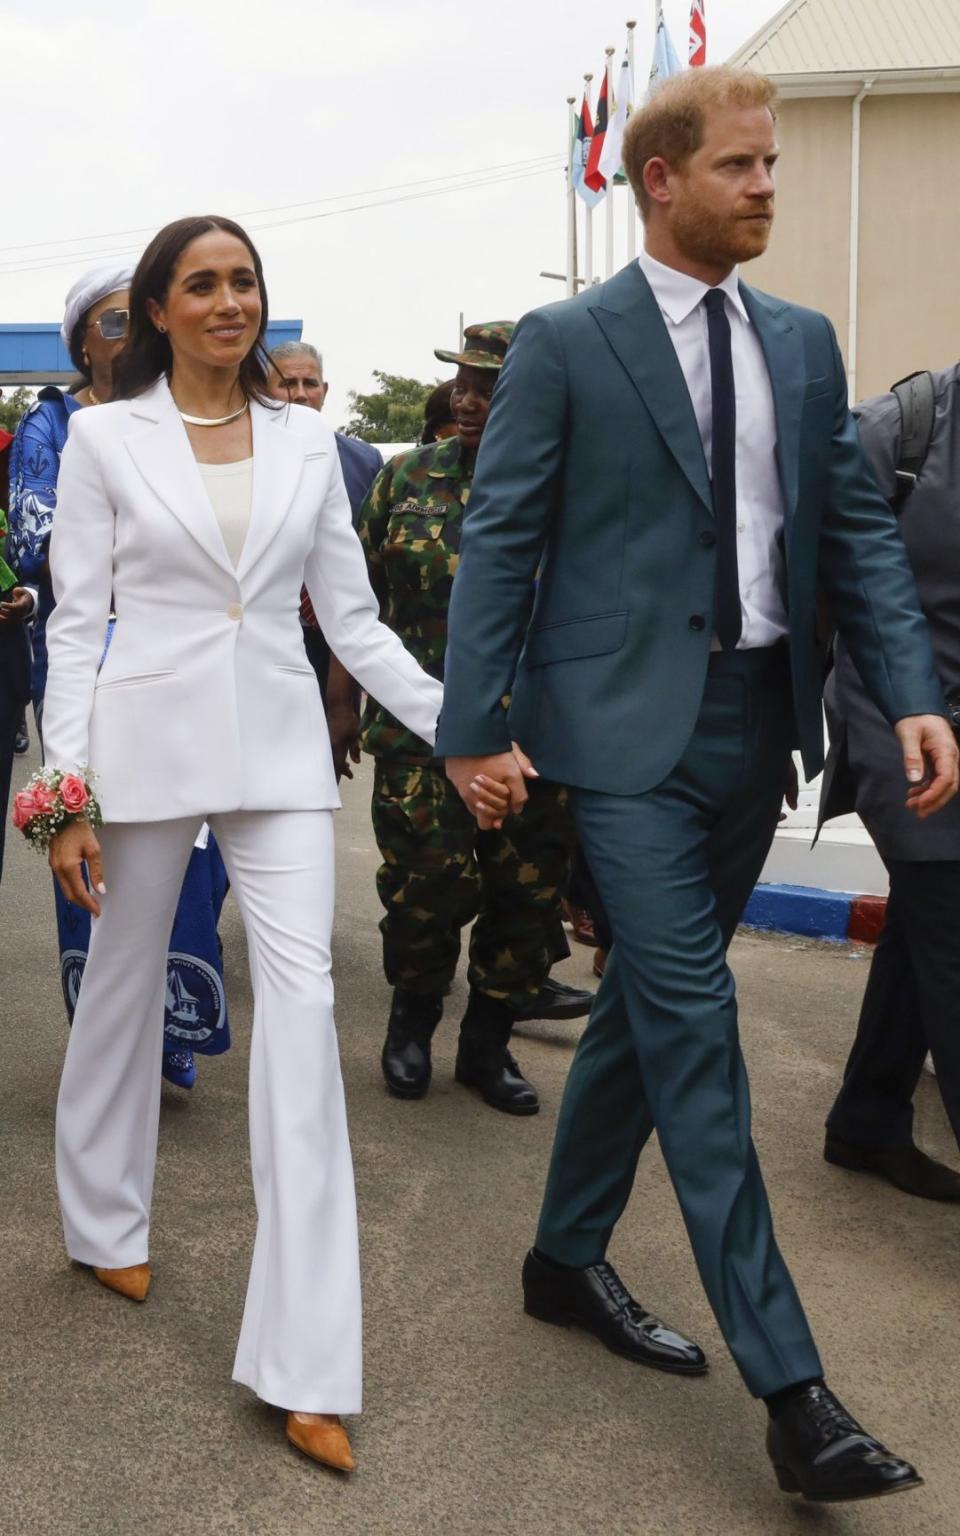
(674, 453)
(912, 999)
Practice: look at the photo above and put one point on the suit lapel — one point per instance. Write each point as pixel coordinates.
(277, 468)
(630, 319)
(165, 459)
(783, 349)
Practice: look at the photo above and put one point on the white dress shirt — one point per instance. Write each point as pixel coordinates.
(759, 497)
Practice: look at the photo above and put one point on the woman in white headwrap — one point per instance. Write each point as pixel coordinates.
(95, 327)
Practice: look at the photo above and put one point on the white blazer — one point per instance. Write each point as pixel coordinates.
(206, 701)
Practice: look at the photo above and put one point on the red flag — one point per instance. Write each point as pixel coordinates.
(698, 33)
(592, 176)
(580, 154)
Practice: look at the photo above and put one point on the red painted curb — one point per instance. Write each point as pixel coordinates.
(867, 917)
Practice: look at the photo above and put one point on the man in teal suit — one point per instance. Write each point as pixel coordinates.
(672, 454)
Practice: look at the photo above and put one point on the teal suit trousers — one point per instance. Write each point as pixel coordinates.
(674, 867)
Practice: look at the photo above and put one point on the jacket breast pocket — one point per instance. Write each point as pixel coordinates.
(422, 549)
(575, 639)
(818, 389)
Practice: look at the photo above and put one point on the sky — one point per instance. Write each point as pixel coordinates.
(119, 117)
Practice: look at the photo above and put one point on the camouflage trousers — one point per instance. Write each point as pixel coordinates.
(439, 872)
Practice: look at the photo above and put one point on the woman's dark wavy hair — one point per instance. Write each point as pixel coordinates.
(147, 353)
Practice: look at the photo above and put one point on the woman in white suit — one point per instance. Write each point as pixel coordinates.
(199, 507)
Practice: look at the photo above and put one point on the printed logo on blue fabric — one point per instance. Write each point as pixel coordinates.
(72, 962)
(196, 1002)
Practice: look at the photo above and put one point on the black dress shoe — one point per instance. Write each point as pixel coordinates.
(556, 1000)
(596, 1299)
(818, 1450)
(907, 1168)
(406, 1051)
(499, 1079)
(21, 742)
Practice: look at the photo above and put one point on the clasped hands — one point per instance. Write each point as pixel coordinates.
(494, 786)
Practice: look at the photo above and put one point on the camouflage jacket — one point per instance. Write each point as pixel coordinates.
(410, 526)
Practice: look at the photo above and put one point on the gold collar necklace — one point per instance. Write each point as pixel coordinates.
(213, 421)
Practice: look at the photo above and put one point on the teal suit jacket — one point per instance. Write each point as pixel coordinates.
(586, 577)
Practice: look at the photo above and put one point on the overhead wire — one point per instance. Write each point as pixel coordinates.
(73, 258)
(456, 178)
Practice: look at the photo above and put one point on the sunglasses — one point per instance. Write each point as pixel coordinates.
(113, 324)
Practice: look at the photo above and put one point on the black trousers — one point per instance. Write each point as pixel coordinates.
(911, 1005)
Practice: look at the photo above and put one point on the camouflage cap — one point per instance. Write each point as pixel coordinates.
(484, 345)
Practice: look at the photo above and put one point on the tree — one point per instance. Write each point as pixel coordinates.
(12, 407)
(392, 414)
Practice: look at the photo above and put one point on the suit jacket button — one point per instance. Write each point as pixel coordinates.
(235, 611)
(697, 621)
(708, 540)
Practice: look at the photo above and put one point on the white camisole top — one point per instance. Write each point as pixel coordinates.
(230, 488)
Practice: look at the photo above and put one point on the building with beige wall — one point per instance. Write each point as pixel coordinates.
(868, 212)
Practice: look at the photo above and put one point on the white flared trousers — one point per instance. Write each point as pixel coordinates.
(300, 1340)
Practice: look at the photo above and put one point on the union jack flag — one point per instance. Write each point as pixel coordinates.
(698, 33)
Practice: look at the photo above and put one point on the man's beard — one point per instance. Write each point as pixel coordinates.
(719, 239)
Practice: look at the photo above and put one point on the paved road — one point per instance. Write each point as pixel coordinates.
(122, 1421)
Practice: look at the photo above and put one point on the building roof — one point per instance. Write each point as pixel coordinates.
(35, 354)
(856, 37)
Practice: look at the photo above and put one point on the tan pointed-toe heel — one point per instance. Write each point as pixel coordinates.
(322, 1437)
(133, 1282)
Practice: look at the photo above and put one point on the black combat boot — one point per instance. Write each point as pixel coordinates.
(483, 1061)
(406, 1050)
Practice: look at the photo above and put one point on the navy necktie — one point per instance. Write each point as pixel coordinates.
(728, 622)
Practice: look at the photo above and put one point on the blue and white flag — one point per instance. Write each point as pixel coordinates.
(611, 156)
(665, 60)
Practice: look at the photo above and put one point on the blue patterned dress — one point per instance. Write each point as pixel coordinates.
(196, 1015)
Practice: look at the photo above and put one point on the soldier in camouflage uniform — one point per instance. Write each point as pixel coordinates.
(439, 872)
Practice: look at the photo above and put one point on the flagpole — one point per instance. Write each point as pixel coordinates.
(571, 202)
(588, 215)
(608, 263)
(631, 203)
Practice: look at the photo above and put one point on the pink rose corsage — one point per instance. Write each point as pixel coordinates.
(50, 801)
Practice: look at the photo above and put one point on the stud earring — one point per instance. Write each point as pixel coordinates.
(86, 358)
